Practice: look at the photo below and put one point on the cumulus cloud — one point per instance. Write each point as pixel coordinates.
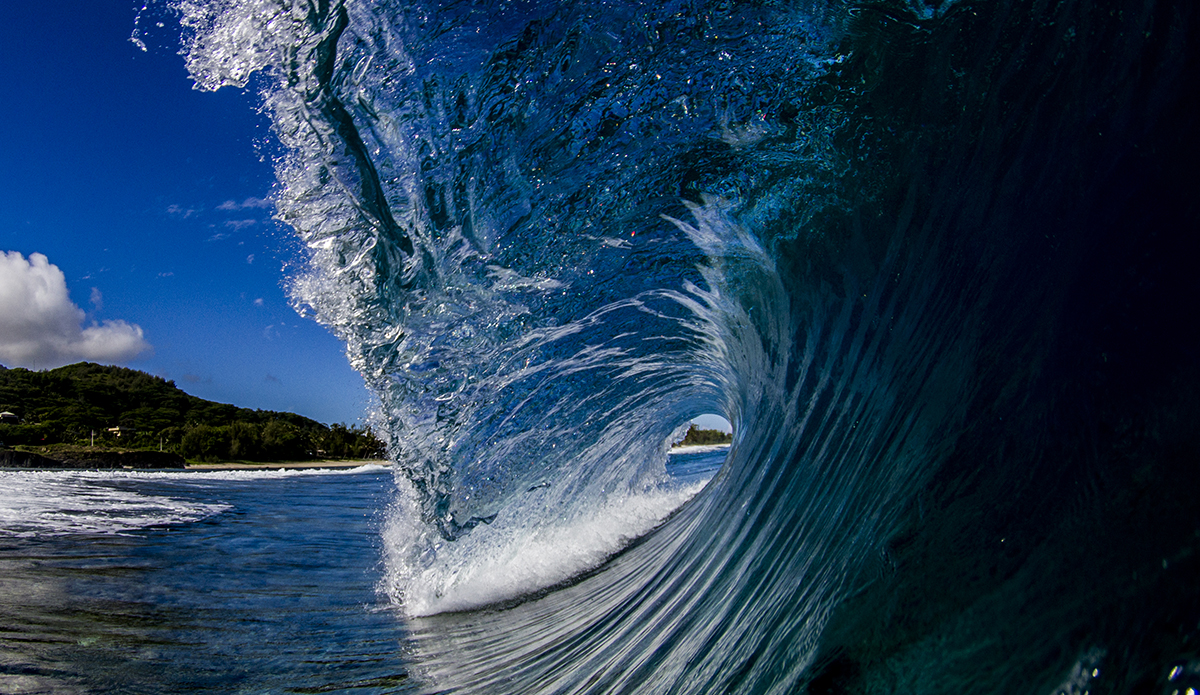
(40, 327)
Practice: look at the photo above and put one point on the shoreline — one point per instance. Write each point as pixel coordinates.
(697, 448)
(285, 465)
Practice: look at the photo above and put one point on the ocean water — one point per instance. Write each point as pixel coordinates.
(237, 582)
(935, 261)
(232, 582)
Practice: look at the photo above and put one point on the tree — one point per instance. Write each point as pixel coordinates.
(245, 441)
(282, 441)
(698, 437)
(206, 443)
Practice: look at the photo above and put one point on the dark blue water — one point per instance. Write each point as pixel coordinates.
(935, 261)
(273, 592)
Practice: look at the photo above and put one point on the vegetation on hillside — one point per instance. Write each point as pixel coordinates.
(78, 404)
(698, 437)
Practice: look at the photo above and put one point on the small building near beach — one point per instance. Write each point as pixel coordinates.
(9, 418)
(119, 430)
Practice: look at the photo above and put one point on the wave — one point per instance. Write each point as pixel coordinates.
(697, 449)
(44, 503)
(57, 503)
(922, 256)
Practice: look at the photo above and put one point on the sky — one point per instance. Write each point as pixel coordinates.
(135, 222)
(135, 219)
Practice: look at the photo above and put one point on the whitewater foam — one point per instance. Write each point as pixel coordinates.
(38, 503)
(504, 561)
(697, 449)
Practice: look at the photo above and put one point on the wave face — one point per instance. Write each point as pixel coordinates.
(929, 259)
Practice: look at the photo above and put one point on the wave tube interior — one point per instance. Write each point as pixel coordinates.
(933, 260)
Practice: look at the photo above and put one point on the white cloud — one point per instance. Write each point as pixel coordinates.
(249, 203)
(40, 327)
(250, 258)
(239, 225)
(258, 302)
(97, 299)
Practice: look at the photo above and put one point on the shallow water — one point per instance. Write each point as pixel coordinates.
(254, 583)
(237, 581)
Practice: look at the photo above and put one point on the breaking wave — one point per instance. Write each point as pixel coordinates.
(926, 257)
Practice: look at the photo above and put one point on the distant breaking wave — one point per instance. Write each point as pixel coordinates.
(48, 503)
(930, 259)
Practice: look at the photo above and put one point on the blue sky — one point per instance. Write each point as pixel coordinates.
(150, 199)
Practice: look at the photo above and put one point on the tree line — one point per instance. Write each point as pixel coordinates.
(698, 437)
(78, 404)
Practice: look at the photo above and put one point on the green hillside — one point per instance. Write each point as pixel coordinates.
(698, 437)
(71, 405)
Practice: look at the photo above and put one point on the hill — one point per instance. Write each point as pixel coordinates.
(698, 437)
(81, 404)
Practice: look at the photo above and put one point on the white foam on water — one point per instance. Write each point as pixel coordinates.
(265, 473)
(39, 503)
(697, 449)
(502, 561)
